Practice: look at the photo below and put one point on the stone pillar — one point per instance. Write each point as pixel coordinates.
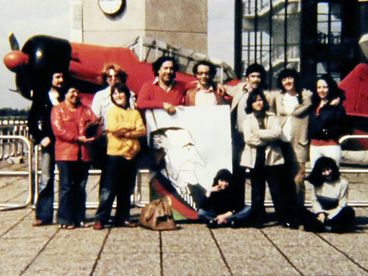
(181, 23)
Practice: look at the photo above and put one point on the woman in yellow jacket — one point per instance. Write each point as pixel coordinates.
(124, 126)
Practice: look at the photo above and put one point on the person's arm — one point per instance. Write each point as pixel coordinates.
(343, 200)
(139, 129)
(251, 135)
(272, 131)
(305, 107)
(316, 206)
(59, 129)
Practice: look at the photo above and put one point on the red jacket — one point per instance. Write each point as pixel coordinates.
(67, 127)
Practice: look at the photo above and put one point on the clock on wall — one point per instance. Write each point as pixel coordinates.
(111, 7)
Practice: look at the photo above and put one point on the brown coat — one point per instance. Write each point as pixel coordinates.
(299, 122)
(191, 95)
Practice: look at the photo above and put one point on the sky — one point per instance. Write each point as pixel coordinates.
(26, 18)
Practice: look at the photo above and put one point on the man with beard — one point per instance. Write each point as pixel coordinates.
(41, 131)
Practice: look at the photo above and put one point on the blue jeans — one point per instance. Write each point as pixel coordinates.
(45, 201)
(72, 192)
(241, 217)
(119, 182)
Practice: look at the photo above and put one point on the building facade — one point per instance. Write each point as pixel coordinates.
(313, 36)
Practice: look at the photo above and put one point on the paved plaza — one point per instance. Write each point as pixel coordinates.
(192, 250)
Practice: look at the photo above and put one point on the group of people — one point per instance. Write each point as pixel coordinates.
(273, 133)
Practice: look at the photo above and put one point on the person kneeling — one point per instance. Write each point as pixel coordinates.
(330, 212)
(221, 207)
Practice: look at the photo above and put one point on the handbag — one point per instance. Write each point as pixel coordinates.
(157, 215)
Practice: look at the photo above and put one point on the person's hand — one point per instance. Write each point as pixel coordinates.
(215, 188)
(221, 90)
(321, 217)
(335, 101)
(45, 142)
(127, 134)
(221, 219)
(169, 108)
(85, 140)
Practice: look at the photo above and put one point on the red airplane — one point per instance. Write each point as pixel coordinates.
(43, 55)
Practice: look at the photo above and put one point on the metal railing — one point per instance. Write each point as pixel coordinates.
(29, 173)
(140, 196)
(142, 191)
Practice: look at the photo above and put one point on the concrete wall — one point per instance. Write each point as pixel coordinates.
(113, 31)
(181, 23)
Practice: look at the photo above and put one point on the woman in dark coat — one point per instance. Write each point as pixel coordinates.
(328, 121)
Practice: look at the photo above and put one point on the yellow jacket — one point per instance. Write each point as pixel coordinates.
(123, 128)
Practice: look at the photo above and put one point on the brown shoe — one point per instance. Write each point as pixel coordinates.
(98, 226)
(126, 223)
(38, 223)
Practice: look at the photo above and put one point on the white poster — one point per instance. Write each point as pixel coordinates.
(193, 145)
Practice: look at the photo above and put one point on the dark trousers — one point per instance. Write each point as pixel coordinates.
(119, 182)
(45, 199)
(243, 216)
(98, 150)
(275, 177)
(72, 192)
(339, 223)
(238, 171)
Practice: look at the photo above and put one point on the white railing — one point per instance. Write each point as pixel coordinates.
(12, 148)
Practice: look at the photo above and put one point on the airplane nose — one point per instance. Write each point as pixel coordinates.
(15, 60)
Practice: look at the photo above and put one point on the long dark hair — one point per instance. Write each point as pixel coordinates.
(252, 98)
(290, 72)
(223, 174)
(333, 90)
(316, 178)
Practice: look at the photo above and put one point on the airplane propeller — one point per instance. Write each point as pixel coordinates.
(13, 41)
(17, 62)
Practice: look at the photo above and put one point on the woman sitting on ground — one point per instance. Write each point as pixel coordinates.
(221, 207)
(329, 199)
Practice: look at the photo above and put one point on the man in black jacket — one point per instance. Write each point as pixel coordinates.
(41, 131)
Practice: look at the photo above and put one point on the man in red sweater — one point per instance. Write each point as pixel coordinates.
(164, 92)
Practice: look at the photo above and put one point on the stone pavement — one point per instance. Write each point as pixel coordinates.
(192, 250)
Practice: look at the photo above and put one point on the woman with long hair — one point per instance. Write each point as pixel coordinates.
(221, 206)
(329, 199)
(327, 122)
(262, 155)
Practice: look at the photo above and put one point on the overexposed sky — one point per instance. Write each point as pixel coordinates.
(26, 18)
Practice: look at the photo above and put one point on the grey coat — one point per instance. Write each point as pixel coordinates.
(255, 137)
